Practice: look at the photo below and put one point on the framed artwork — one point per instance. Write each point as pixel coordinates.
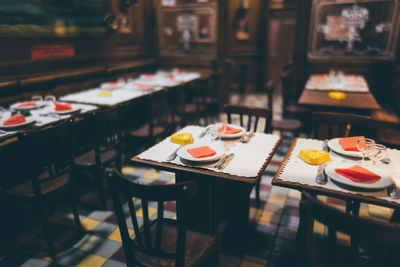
(354, 29)
(62, 18)
(204, 28)
(168, 2)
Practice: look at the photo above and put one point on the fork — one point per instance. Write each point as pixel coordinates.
(321, 176)
(247, 137)
(172, 156)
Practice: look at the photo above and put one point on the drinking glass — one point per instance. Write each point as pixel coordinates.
(363, 145)
(50, 98)
(376, 152)
(37, 98)
(213, 133)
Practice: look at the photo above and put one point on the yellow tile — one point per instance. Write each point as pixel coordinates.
(266, 217)
(277, 198)
(152, 174)
(139, 213)
(255, 213)
(89, 224)
(92, 261)
(127, 170)
(172, 181)
(88, 243)
(363, 213)
(379, 211)
(116, 235)
(343, 239)
(319, 228)
(294, 194)
(250, 264)
(174, 218)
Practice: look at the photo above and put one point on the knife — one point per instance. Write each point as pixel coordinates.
(247, 137)
(220, 165)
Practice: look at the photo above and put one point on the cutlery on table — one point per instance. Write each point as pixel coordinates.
(223, 162)
(2, 132)
(393, 192)
(325, 146)
(172, 156)
(247, 137)
(321, 178)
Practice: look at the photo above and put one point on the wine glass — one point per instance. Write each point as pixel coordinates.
(50, 98)
(213, 133)
(376, 152)
(363, 144)
(37, 98)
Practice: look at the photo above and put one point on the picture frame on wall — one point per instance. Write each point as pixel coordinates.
(204, 28)
(168, 2)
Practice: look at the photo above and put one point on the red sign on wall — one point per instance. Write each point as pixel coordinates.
(51, 51)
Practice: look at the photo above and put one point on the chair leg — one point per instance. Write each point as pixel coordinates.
(45, 226)
(258, 194)
(74, 203)
(100, 189)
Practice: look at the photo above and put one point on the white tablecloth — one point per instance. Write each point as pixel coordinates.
(345, 83)
(248, 160)
(298, 171)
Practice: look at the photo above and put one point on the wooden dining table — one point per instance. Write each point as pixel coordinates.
(357, 101)
(223, 197)
(295, 173)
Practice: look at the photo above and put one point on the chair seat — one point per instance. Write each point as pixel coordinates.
(389, 136)
(296, 109)
(144, 131)
(88, 159)
(26, 189)
(286, 124)
(198, 247)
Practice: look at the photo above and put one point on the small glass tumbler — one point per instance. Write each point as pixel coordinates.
(37, 98)
(363, 145)
(377, 152)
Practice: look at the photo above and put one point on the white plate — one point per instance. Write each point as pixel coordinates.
(39, 104)
(335, 146)
(64, 112)
(384, 182)
(236, 135)
(219, 149)
(29, 120)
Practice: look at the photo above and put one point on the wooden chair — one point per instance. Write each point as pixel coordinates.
(329, 125)
(332, 124)
(290, 125)
(162, 241)
(389, 137)
(289, 96)
(252, 114)
(212, 97)
(156, 126)
(106, 137)
(48, 167)
(362, 231)
(195, 106)
(236, 85)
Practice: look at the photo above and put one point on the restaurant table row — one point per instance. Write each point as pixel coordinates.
(42, 113)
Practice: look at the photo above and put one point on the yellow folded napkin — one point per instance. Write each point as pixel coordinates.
(313, 156)
(337, 95)
(105, 93)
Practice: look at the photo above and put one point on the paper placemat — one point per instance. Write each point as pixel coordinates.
(249, 158)
(297, 170)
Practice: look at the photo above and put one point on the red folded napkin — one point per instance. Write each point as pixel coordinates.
(114, 84)
(358, 174)
(27, 104)
(148, 76)
(229, 130)
(171, 78)
(62, 106)
(201, 152)
(350, 143)
(143, 86)
(15, 120)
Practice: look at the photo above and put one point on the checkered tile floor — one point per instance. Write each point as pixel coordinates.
(273, 227)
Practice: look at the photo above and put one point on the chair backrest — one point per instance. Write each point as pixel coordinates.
(252, 113)
(51, 150)
(288, 91)
(146, 241)
(107, 125)
(159, 110)
(363, 231)
(331, 124)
